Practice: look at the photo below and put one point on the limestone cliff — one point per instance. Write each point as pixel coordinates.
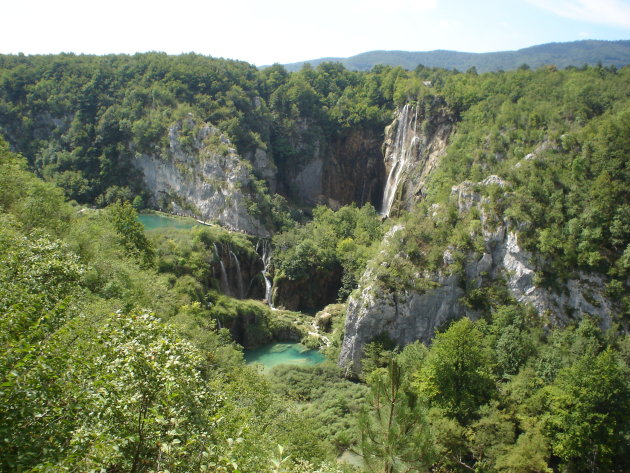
(409, 315)
(332, 170)
(202, 176)
(405, 316)
(354, 171)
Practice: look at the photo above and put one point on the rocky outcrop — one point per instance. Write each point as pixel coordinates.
(410, 315)
(413, 145)
(264, 168)
(577, 296)
(405, 316)
(582, 293)
(202, 176)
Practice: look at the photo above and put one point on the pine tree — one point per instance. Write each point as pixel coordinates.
(395, 435)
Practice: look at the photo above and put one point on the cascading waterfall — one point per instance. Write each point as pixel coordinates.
(239, 276)
(400, 157)
(225, 283)
(268, 291)
(266, 259)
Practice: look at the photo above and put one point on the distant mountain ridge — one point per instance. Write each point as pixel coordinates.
(576, 53)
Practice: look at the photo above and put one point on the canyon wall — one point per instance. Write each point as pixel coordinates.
(332, 170)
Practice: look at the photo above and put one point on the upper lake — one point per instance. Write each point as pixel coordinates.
(153, 221)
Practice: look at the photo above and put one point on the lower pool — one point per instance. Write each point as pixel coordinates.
(283, 354)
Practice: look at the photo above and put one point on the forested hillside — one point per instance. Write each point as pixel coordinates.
(81, 120)
(576, 53)
(457, 244)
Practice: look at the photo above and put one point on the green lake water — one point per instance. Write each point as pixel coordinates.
(153, 221)
(284, 354)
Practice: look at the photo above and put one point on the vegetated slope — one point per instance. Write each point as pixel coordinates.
(577, 53)
(500, 394)
(90, 123)
(110, 356)
(84, 388)
(505, 167)
(516, 221)
(517, 206)
(539, 154)
(314, 136)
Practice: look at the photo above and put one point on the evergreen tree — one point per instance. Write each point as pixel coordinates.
(394, 433)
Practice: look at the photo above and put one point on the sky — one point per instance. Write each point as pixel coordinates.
(268, 31)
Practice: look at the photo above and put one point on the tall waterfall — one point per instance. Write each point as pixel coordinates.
(225, 284)
(406, 138)
(265, 252)
(239, 276)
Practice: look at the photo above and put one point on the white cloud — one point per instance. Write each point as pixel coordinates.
(608, 12)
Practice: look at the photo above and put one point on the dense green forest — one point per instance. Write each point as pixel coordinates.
(122, 349)
(80, 120)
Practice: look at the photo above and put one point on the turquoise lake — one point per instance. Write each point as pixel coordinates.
(153, 221)
(284, 354)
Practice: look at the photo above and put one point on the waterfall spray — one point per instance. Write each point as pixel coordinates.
(239, 276)
(266, 259)
(400, 157)
(225, 284)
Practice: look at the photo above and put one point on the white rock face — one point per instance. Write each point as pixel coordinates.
(414, 144)
(414, 316)
(582, 295)
(206, 179)
(405, 318)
